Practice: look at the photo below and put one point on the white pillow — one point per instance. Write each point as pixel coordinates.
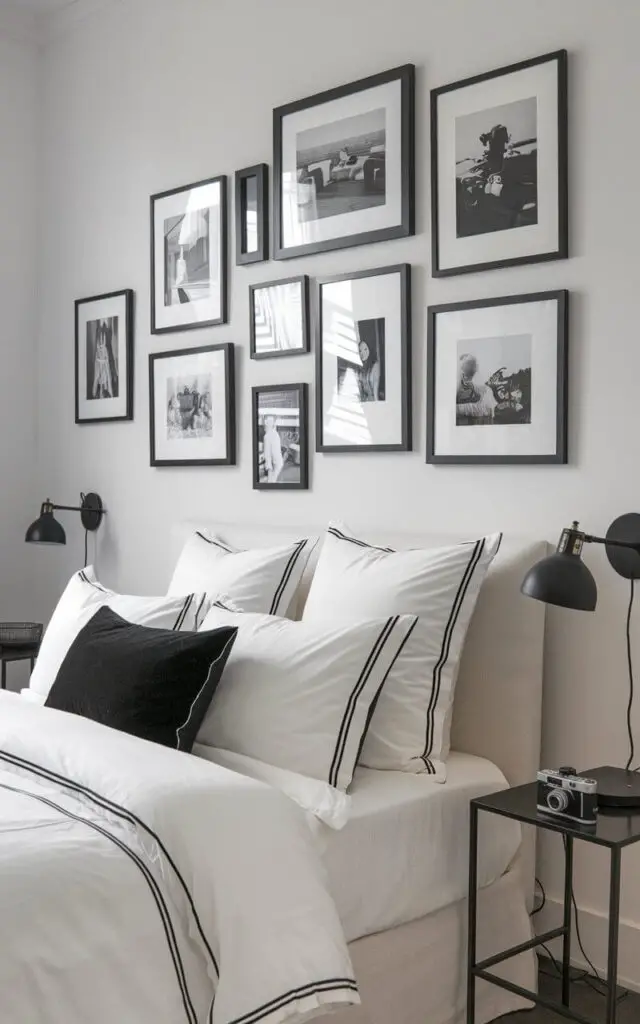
(354, 580)
(258, 580)
(80, 601)
(299, 695)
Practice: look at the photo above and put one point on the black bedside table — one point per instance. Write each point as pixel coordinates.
(7, 654)
(615, 830)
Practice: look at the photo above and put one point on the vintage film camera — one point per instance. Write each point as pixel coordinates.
(568, 796)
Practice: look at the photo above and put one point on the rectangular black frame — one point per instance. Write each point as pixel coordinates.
(404, 269)
(230, 409)
(562, 252)
(303, 281)
(406, 74)
(561, 296)
(128, 294)
(302, 390)
(224, 246)
(261, 173)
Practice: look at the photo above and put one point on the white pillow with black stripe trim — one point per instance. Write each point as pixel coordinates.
(298, 695)
(356, 580)
(81, 599)
(257, 580)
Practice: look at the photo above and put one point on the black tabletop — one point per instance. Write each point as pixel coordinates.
(18, 653)
(613, 828)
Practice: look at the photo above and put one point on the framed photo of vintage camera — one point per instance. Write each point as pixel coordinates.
(280, 439)
(192, 407)
(343, 166)
(499, 168)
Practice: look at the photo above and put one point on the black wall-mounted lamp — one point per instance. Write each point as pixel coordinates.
(563, 579)
(47, 530)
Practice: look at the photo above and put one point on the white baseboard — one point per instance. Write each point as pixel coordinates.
(594, 933)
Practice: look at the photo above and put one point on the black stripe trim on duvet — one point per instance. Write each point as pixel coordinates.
(182, 614)
(150, 880)
(335, 532)
(286, 576)
(199, 610)
(329, 985)
(215, 543)
(349, 711)
(93, 583)
(463, 586)
(133, 819)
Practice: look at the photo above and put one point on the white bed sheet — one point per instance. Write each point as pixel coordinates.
(404, 851)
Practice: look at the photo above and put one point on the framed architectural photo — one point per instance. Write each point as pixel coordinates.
(279, 318)
(497, 380)
(280, 440)
(363, 362)
(189, 257)
(343, 166)
(192, 407)
(252, 214)
(104, 357)
(499, 168)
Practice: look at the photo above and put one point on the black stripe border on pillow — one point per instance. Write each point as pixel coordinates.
(153, 683)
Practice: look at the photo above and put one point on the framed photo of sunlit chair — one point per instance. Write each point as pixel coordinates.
(363, 361)
(279, 318)
(343, 166)
(189, 256)
(280, 439)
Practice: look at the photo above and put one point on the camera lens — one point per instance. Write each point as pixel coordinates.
(557, 800)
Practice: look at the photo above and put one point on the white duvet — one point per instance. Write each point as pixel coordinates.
(139, 885)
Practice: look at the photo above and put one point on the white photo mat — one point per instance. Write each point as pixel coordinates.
(103, 308)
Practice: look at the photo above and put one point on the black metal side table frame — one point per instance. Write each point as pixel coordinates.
(615, 831)
(8, 654)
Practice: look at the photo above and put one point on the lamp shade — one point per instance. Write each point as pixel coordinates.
(46, 530)
(562, 579)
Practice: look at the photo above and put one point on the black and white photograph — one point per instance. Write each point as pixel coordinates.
(498, 364)
(494, 381)
(192, 407)
(189, 257)
(499, 167)
(343, 166)
(280, 443)
(361, 375)
(104, 357)
(252, 214)
(363, 362)
(279, 318)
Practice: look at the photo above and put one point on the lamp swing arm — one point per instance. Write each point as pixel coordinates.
(610, 542)
(50, 506)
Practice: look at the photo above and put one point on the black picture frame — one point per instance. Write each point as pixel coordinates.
(561, 250)
(261, 253)
(230, 405)
(127, 295)
(559, 457)
(302, 281)
(406, 440)
(223, 316)
(406, 225)
(303, 483)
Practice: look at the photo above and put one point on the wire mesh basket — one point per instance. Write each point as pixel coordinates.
(20, 634)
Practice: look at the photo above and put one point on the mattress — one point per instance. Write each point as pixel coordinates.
(404, 851)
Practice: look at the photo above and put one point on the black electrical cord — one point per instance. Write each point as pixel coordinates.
(536, 910)
(86, 543)
(631, 684)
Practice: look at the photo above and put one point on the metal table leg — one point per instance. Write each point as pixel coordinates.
(472, 907)
(614, 928)
(566, 941)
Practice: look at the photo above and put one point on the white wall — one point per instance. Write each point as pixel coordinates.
(151, 94)
(19, 123)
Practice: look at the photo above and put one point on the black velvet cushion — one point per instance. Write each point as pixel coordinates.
(153, 683)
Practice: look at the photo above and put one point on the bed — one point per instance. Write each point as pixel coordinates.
(409, 956)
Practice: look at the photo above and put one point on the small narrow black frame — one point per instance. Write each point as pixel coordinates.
(406, 226)
(229, 412)
(303, 483)
(224, 246)
(261, 173)
(559, 457)
(129, 325)
(562, 251)
(303, 281)
(405, 444)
